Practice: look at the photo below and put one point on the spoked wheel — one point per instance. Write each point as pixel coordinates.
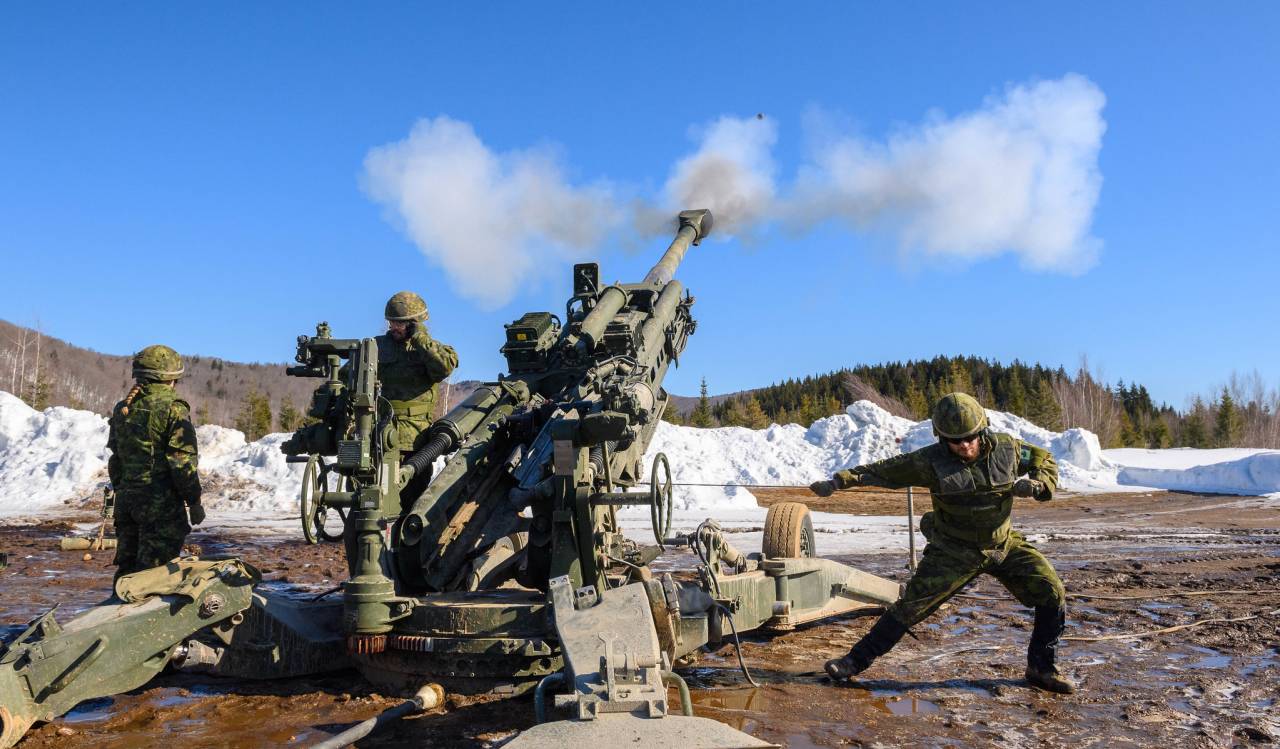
(311, 499)
(788, 532)
(316, 478)
(660, 498)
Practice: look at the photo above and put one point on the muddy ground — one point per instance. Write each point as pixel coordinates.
(958, 683)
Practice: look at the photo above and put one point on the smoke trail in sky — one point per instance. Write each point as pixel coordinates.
(1017, 175)
(732, 173)
(491, 220)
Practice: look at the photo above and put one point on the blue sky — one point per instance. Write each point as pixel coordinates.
(193, 175)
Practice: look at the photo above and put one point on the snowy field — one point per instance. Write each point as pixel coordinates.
(51, 458)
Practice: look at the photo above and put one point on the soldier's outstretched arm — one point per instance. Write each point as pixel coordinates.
(439, 359)
(911, 469)
(1041, 470)
(182, 455)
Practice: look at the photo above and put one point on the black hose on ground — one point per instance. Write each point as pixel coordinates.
(430, 696)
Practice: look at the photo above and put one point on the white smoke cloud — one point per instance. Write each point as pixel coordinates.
(732, 173)
(491, 220)
(1018, 175)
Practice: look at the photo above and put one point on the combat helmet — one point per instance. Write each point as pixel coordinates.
(958, 415)
(406, 306)
(157, 363)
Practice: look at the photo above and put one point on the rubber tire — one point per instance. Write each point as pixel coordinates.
(788, 532)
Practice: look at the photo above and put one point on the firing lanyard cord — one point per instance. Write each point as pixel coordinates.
(737, 645)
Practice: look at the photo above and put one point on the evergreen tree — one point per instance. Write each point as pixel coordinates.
(39, 392)
(1129, 435)
(1158, 434)
(1193, 427)
(254, 418)
(831, 406)
(733, 415)
(1043, 409)
(701, 416)
(958, 379)
(1229, 425)
(671, 414)
(916, 401)
(808, 410)
(289, 417)
(1015, 396)
(754, 415)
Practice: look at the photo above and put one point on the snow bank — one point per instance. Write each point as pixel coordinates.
(1258, 473)
(49, 457)
(793, 455)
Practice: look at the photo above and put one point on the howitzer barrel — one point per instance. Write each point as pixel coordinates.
(449, 430)
(593, 325)
(694, 226)
(663, 311)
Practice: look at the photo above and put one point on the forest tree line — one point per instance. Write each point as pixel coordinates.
(1244, 412)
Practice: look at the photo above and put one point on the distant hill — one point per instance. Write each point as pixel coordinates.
(47, 371)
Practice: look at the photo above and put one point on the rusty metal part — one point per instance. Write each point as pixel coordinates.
(366, 644)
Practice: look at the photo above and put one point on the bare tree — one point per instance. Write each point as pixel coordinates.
(1086, 402)
(859, 389)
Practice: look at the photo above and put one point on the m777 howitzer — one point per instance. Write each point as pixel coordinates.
(510, 571)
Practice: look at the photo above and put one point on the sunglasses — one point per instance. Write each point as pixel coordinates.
(961, 440)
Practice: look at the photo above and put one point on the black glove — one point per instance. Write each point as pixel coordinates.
(823, 488)
(196, 512)
(1028, 488)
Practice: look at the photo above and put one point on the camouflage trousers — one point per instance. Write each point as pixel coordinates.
(412, 431)
(948, 566)
(150, 531)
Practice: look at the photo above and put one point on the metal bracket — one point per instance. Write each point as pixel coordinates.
(613, 659)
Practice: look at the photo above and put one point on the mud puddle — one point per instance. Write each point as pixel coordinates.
(959, 683)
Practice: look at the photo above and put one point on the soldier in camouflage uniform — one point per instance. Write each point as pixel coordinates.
(972, 474)
(153, 465)
(411, 366)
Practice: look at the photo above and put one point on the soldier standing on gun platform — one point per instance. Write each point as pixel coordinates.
(972, 475)
(153, 465)
(411, 366)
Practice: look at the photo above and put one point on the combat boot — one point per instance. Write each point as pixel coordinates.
(1042, 653)
(879, 640)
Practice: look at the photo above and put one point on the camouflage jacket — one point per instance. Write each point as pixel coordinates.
(971, 501)
(153, 447)
(411, 372)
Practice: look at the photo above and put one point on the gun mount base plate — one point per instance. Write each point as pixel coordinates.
(621, 729)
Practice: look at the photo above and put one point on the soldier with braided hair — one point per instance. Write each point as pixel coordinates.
(973, 475)
(411, 366)
(153, 465)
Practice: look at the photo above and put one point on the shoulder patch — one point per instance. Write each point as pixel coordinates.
(1024, 454)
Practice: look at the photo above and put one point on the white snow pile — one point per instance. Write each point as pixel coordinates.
(1222, 471)
(795, 456)
(49, 457)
